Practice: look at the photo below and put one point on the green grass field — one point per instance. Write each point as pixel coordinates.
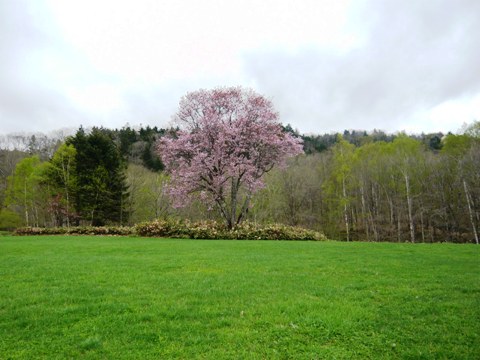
(137, 298)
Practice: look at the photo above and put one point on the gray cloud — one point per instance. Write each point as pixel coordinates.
(155, 104)
(28, 101)
(417, 54)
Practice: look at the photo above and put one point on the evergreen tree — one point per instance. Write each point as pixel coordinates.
(101, 181)
(151, 160)
(127, 137)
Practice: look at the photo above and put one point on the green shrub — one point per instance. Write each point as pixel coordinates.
(207, 230)
(215, 230)
(163, 228)
(275, 232)
(172, 228)
(76, 230)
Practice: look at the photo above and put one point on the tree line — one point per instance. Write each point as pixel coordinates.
(353, 186)
(82, 182)
(382, 191)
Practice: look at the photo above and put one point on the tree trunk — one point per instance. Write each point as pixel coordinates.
(392, 210)
(470, 212)
(391, 231)
(233, 203)
(345, 209)
(25, 202)
(36, 218)
(399, 226)
(244, 210)
(409, 205)
(66, 178)
(364, 213)
(224, 212)
(423, 226)
(374, 226)
(93, 208)
(68, 207)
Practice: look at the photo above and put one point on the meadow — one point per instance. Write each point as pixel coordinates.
(137, 298)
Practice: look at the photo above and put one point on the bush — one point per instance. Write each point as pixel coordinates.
(275, 232)
(186, 230)
(214, 230)
(163, 228)
(76, 230)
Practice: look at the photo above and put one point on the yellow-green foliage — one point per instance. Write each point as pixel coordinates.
(9, 220)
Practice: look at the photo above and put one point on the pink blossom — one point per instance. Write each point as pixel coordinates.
(228, 139)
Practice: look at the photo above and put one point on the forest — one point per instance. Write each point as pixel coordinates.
(353, 186)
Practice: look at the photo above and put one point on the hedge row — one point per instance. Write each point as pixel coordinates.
(215, 230)
(77, 230)
(187, 230)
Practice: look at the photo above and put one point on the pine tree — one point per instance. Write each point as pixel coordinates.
(101, 181)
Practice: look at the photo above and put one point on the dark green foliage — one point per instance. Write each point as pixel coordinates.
(318, 143)
(150, 159)
(435, 142)
(290, 130)
(101, 183)
(127, 137)
(144, 139)
(149, 134)
(149, 156)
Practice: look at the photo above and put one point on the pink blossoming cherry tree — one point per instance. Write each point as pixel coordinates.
(228, 139)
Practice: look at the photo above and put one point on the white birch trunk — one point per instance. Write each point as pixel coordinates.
(409, 205)
(345, 209)
(470, 212)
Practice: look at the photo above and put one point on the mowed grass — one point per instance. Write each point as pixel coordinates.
(136, 298)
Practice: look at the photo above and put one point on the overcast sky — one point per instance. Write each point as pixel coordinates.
(328, 65)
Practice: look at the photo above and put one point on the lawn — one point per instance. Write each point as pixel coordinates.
(136, 298)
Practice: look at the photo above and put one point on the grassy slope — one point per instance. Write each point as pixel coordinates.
(99, 297)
